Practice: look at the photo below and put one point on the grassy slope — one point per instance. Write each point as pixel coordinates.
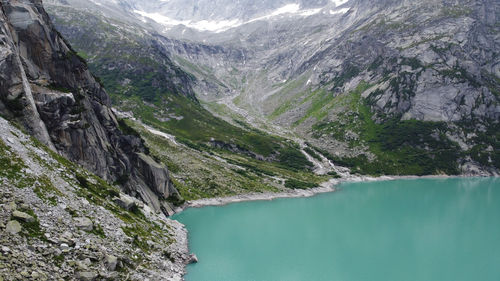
(400, 147)
(196, 127)
(202, 172)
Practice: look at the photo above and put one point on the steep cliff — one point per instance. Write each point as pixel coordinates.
(48, 88)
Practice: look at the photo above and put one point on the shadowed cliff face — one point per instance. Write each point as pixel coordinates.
(48, 88)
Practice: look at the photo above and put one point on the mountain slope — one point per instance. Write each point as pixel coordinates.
(425, 74)
(384, 87)
(59, 221)
(252, 160)
(47, 87)
(140, 66)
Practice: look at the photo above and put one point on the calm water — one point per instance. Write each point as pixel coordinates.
(426, 229)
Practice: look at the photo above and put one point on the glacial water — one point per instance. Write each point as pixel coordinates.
(421, 230)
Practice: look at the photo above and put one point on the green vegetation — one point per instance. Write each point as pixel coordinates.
(407, 148)
(322, 102)
(296, 184)
(97, 230)
(460, 74)
(290, 87)
(400, 147)
(210, 172)
(176, 201)
(486, 151)
(349, 72)
(376, 63)
(12, 168)
(141, 234)
(313, 153)
(197, 128)
(126, 129)
(59, 259)
(456, 11)
(95, 189)
(10, 164)
(73, 213)
(59, 88)
(139, 237)
(46, 191)
(413, 62)
(32, 229)
(334, 174)
(15, 105)
(294, 159)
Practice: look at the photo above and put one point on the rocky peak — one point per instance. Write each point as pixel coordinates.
(46, 86)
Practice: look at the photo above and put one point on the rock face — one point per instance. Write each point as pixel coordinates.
(48, 88)
(140, 63)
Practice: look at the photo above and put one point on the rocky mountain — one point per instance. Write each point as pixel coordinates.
(47, 88)
(382, 87)
(139, 65)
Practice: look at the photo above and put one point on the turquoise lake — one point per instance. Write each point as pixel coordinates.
(402, 230)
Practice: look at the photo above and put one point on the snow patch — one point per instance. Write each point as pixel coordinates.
(97, 3)
(204, 25)
(310, 12)
(340, 11)
(290, 8)
(339, 2)
(223, 25)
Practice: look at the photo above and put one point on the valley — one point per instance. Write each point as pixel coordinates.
(366, 90)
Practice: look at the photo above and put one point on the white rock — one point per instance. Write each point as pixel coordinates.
(13, 227)
(84, 223)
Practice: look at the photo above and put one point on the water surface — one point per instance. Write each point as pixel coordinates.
(424, 229)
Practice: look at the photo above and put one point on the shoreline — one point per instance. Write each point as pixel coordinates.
(326, 187)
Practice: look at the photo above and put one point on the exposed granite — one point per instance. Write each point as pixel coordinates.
(48, 88)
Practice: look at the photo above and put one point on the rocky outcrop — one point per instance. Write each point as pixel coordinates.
(48, 88)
